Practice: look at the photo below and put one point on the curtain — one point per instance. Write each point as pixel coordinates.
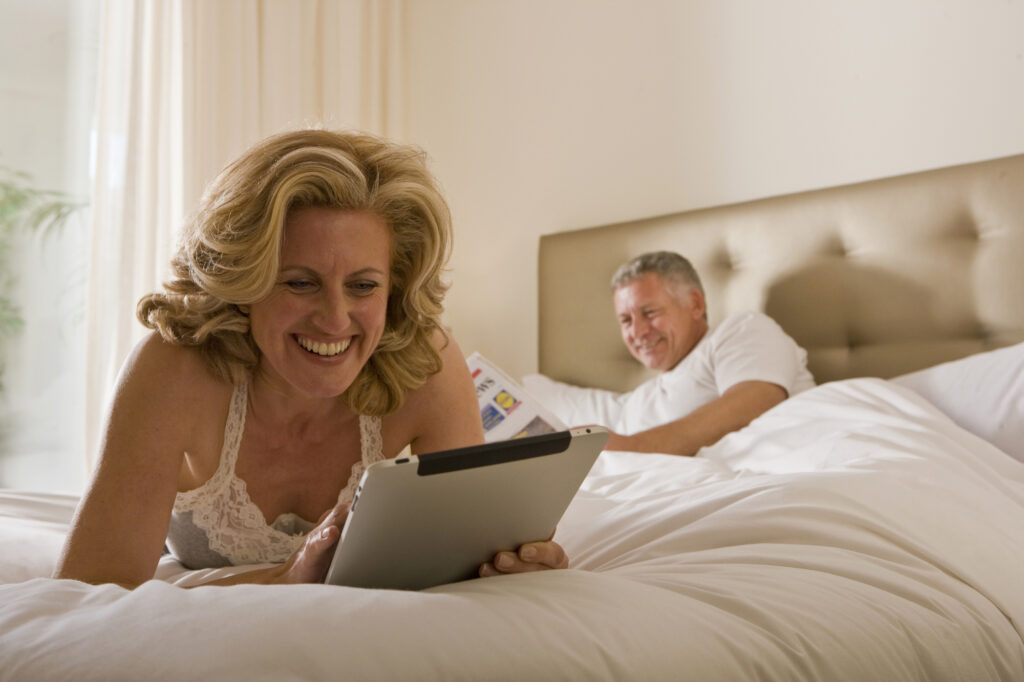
(183, 87)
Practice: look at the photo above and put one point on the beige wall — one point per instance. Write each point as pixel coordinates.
(547, 115)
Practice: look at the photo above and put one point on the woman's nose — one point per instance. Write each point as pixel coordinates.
(333, 312)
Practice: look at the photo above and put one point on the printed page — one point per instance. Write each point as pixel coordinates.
(506, 409)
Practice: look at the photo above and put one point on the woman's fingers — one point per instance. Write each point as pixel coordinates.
(311, 560)
(546, 554)
(533, 556)
(336, 515)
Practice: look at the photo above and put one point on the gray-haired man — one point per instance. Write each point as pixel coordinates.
(711, 381)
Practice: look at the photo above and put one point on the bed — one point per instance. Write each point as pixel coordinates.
(867, 529)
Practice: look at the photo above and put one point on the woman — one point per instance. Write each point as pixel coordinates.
(299, 341)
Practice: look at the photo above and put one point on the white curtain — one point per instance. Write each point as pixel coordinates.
(183, 87)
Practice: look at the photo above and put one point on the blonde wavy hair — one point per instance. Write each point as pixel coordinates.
(229, 255)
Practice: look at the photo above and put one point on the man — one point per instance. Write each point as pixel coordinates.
(711, 382)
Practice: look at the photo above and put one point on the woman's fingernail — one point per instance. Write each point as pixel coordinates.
(529, 553)
(504, 561)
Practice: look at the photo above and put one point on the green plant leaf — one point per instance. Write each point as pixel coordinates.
(23, 207)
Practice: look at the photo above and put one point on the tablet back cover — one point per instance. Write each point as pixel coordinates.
(429, 520)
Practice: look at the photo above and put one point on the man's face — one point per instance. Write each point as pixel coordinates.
(660, 321)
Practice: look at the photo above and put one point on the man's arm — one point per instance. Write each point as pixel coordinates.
(734, 409)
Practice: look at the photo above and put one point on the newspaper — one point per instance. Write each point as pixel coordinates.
(506, 409)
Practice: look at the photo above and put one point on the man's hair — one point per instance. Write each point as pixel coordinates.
(229, 254)
(669, 265)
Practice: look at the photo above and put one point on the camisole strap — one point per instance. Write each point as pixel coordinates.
(221, 507)
(371, 446)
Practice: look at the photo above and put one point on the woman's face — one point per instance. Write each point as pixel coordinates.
(326, 312)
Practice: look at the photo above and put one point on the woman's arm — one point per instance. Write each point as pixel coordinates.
(118, 532)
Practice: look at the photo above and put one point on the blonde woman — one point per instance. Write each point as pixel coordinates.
(299, 341)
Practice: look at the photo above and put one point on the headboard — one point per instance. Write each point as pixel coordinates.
(877, 278)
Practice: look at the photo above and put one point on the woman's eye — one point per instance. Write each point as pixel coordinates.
(364, 288)
(299, 284)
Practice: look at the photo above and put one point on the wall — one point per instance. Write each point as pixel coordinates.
(544, 116)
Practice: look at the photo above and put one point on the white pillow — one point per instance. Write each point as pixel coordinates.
(575, 405)
(983, 393)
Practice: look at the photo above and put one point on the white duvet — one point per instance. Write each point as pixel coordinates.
(851, 533)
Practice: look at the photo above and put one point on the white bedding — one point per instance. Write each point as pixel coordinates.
(851, 533)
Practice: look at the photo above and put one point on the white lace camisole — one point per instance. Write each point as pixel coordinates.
(217, 524)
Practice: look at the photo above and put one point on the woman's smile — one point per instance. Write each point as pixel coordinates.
(324, 349)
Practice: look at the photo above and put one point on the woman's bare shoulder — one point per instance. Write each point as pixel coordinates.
(453, 367)
(166, 402)
(170, 372)
(443, 412)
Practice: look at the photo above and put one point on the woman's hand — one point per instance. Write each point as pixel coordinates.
(310, 562)
(533, 556)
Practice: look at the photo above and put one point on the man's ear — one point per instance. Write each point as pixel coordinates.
(697, 303)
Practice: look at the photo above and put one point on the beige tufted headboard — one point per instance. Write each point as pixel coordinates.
(873, 279)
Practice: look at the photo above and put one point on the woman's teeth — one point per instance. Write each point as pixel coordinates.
(324, 349)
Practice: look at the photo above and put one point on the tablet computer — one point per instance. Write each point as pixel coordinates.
(426, 520)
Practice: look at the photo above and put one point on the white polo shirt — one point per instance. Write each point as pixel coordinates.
(744, 347)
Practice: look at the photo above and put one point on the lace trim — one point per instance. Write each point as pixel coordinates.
(371, 449)
(234, 525)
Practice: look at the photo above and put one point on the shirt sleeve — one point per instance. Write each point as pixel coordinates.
(753, 347)
(575, 405)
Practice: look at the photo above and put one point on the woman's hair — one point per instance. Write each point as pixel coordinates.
(229, 254)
